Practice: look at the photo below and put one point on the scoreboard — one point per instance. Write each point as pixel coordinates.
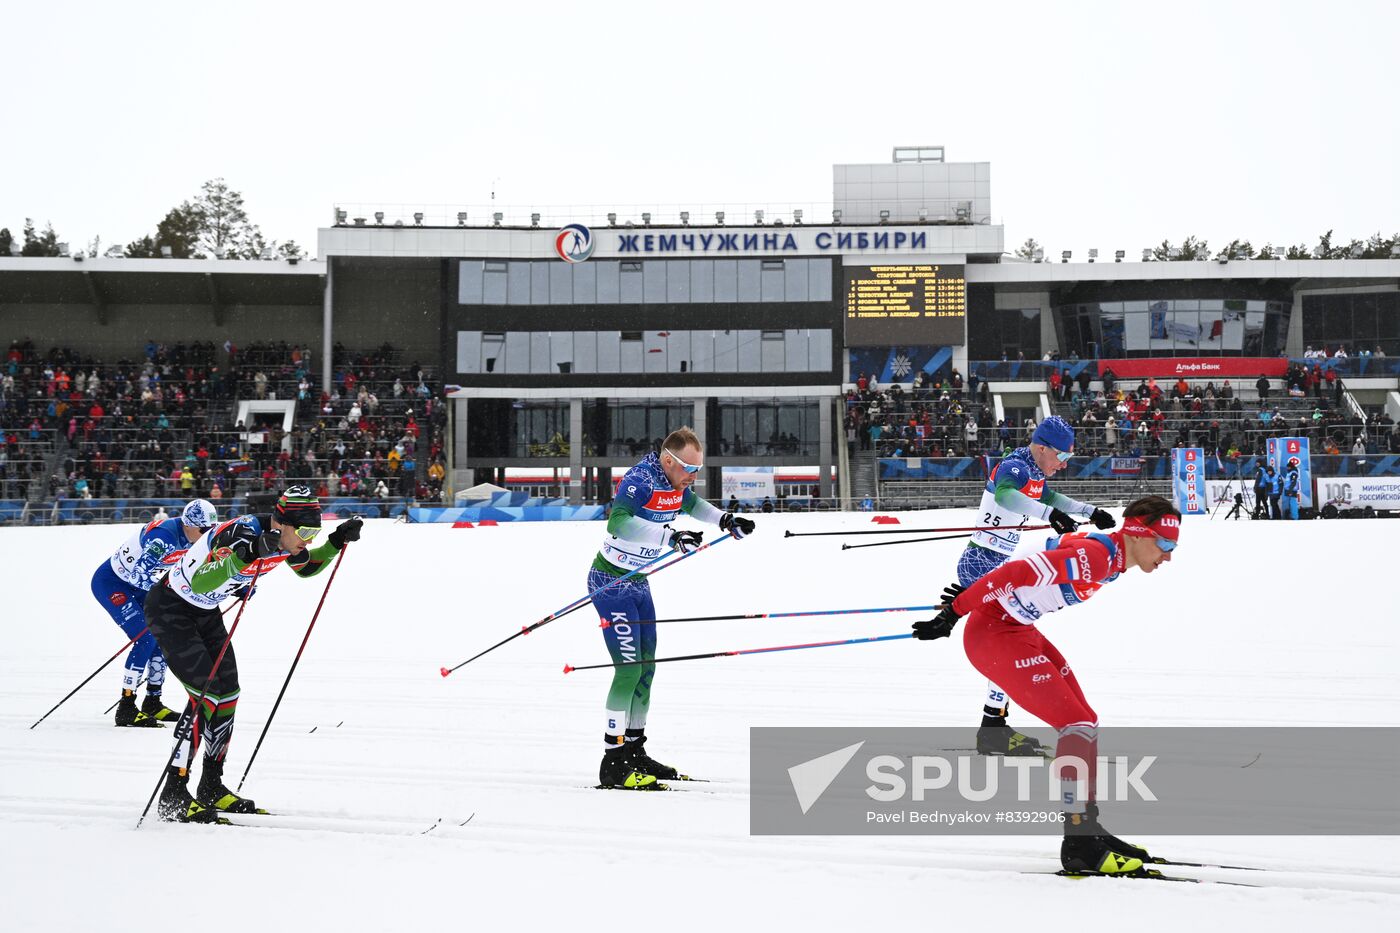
(905, 304)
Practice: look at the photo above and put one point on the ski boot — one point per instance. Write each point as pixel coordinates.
(645, 764)
(213, 794)
(1001, 739)
(1088, 847)
(129, 715)
(177, 806)
(154, 708)
(618, 771)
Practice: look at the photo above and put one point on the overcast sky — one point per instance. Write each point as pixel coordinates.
(1110, 125)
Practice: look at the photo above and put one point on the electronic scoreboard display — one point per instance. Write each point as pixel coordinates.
(905, 304)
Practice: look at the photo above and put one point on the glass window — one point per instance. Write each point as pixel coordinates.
(539, 282)
(795, 351)
(632, 351)
(585, 350)
(631, 278)
(678, 352)
(819, 350)
(702, 351)
(469, 282)
(702, 280)
(585, 275)
(1363, 321)
(609, 351)
(540, 362)
(750, 359)
(726, 350)
(609, 291)
(654, 349)
(654, 282)
(726, 281)
(493, 284)
(795, 286)
(771, 280)
(1254, 333)
(748, 280)
(819, 279)
(468, 351)
(493, 351)
(517, 283)
(561, 351)
(561, 282)
(772, 351)
(517, 352)
(677, 280)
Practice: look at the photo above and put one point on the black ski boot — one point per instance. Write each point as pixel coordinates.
(644, 763)
(1088, 847)
(154, 708)
(213, 794)
(1001, 739)
(129, 715)
(176, 805)
(618, 771)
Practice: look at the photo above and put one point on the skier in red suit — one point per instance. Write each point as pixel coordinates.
(1002, 641)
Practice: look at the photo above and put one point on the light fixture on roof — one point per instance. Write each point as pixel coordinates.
(612, 218)
(340, 216)
(1317, 252)
(266, 252)
(964, 210)
(758, 217)
(1202, 257)
(1147, 255)
(359, 221)
(1093, 254)
(379, 218)
(1118, 255)
(218, 252)
(63, 249)
(884, 217)
(1357, 250)
(923, 215)
(166, 252)
(685, 218)
(114, 252)
(836, 216)
(417, 218)
(1224, 258)
(398, 223)
(646, 218)
(1395, 251)
(1064, 255)
(534, 220)
(1038, 255)
(78, 256)
(719, 218)
(1174, 253)
(461, 218)
(496, 218)
(15, 248)
(797, 215)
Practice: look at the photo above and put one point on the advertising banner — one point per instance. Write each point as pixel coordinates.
(1357, 492)
(751, 486)
(1202, 367)
(1188, 480)
(1283, 449)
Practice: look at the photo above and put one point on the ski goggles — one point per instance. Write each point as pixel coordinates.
(1166, 544)
(1060, 455)
(689, 468)
(1164, 532)
(306, 532)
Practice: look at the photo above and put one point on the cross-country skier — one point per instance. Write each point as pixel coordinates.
(1002, 641)
(1016, 495)
(650, 499)
(120, 586)
(183, 613)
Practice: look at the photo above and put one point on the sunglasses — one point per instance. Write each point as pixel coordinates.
(307, 533)
(684, 466)
(1060, 455)
(1166, 544)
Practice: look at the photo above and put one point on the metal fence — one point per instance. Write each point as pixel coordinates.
(119, 511)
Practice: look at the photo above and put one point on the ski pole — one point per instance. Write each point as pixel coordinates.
(604, 623)
(727, 654)
(138, 683)
(195, 704)
(305, 638)
(99, 670)
(851, 547)
(911, 531)
(586, 599)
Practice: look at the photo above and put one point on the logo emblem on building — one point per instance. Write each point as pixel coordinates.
(574, 243)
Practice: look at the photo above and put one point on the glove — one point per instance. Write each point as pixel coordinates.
(941, 625)
(1102, 520)
(264, 545)
(245, 592)
(686, 541)
(736, 525)
(349, 530)
(1061, 522)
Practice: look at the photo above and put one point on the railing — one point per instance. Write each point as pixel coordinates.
(112, 511)
(1128, 469)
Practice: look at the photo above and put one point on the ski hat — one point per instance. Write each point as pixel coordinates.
(298, 507)
(199, 513)
(1054, 432)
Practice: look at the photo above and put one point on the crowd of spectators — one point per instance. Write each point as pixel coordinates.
(937, 416)
(162, 425)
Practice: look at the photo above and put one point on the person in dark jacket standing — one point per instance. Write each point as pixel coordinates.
(1292, 489)
(1263, 386)
(1275, 490)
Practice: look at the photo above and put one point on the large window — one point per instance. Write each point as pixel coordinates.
(1173, 327)
(1004, 333)
(1355, 322)
(644, 351)
(768, 428)
(642, 281)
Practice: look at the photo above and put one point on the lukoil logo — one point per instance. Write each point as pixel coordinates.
(574, 243)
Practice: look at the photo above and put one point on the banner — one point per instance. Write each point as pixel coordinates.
(1283, 449)
(1188, 480)
(1203, 367)
(1357, 492)
(1222, 492)
(1125, 466)
(749, 486)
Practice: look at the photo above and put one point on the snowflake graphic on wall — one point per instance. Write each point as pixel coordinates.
(902, 366)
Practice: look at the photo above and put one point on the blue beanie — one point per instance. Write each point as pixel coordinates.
(1054, 432)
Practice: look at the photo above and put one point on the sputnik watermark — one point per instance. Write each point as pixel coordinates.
(929, 773)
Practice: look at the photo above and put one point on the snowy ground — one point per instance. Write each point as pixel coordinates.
(1253, 624)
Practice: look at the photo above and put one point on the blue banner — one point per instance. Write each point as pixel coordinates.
(897, 364)
(1282, 450)
(1188, 480)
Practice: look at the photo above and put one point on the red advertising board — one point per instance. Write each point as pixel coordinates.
(1197, 367)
